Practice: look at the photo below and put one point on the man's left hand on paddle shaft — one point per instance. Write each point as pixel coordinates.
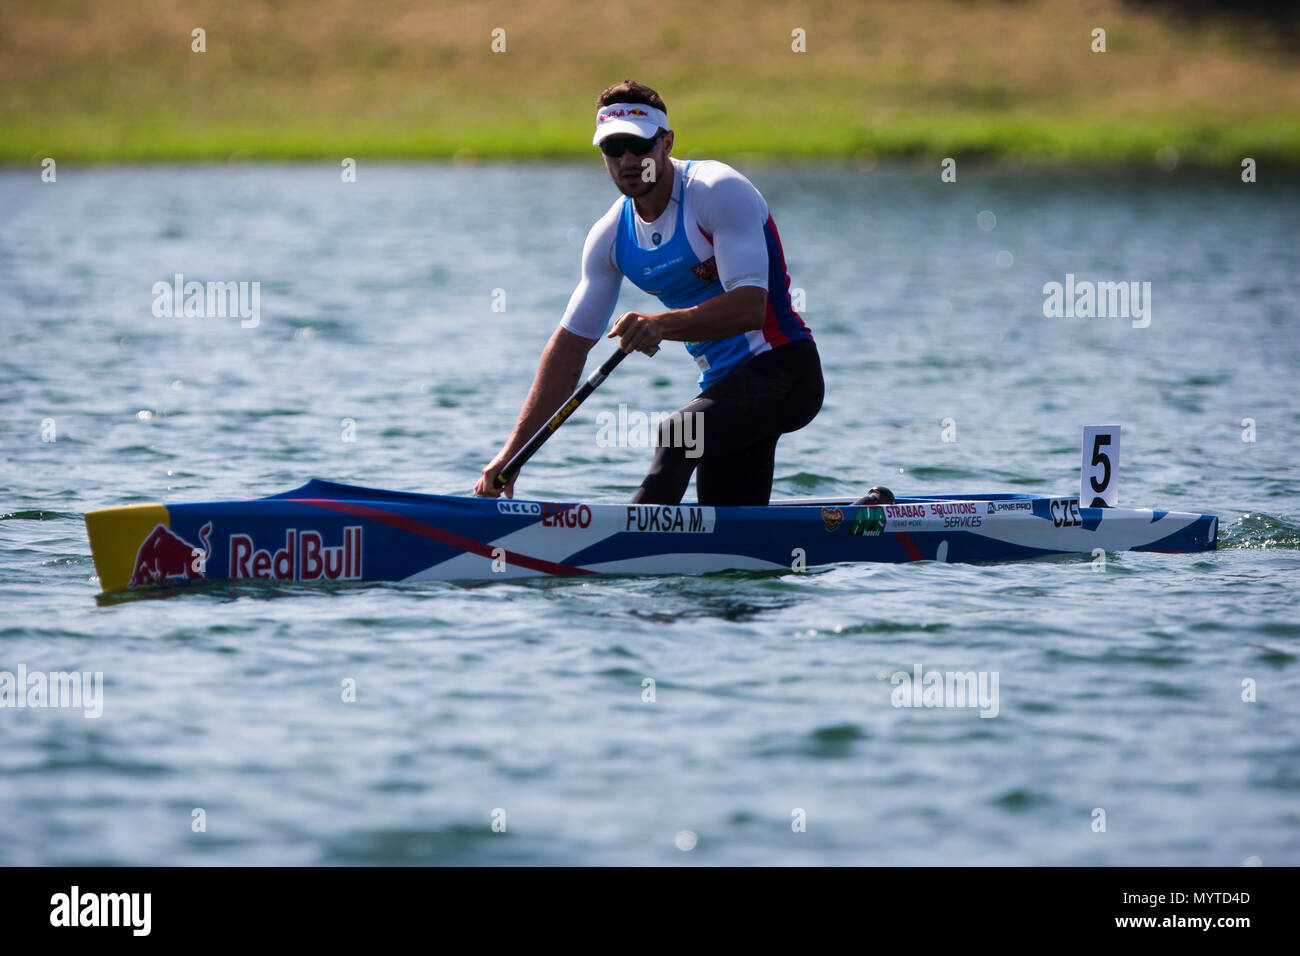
(639, 332)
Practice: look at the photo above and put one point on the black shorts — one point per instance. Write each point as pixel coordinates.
(742, 417)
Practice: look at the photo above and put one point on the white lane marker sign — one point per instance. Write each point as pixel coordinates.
(1099, 482)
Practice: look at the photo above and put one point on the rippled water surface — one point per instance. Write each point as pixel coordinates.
(1119, 690)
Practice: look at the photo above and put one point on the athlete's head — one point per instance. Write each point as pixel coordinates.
(632, 132)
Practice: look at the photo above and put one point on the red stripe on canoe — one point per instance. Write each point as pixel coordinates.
(442, 536)
(905, 539)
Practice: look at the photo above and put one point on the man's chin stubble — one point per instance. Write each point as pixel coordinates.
(637, 191)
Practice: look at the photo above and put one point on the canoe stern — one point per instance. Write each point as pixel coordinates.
(134, 546)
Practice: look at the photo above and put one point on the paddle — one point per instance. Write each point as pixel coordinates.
(559, 418)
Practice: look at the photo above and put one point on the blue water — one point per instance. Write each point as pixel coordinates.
(1120, 690)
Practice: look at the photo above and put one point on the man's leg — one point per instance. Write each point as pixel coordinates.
(716, 427)
(740, 420)
(778, 392)
(743, 477)
(670, 472)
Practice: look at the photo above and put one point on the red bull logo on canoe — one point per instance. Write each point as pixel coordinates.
(165, 556)
(304, 557)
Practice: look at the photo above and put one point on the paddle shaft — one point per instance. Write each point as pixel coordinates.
(559, 418)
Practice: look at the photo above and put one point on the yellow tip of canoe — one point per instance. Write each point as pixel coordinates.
(115, 538)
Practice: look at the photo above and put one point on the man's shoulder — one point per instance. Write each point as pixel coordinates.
(602, 236)
(711, 169)
(714, 174)
(608, 222)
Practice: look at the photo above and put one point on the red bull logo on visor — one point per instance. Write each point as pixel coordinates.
(165, 555)
(615, 114)
(304, 557)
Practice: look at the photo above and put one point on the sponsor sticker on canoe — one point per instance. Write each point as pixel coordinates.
(165, 556)
(934, 516)
(957, 514)
(832, 518)
(304, 557)
(566, 516)
(904, 511)
(869, 521)
(670, 518)
(999, 507)
(519, 507)
(905, 517)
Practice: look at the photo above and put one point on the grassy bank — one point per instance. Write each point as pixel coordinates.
(81, 80)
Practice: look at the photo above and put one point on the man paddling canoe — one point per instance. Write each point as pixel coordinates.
(698, 236)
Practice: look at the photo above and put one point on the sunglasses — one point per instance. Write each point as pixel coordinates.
(637, 146)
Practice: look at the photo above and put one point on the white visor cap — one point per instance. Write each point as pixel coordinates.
(628, 119)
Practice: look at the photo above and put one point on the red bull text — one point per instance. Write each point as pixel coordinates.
(304, 557)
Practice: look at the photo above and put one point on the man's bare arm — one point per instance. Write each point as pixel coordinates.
(558, 373)
(732, 313)
(741, 310)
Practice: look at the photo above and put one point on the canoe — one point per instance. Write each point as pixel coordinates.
(325, 531)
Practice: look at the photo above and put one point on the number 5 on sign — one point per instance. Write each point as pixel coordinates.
(1099, 487)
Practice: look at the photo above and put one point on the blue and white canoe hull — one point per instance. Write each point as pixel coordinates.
(325, 531)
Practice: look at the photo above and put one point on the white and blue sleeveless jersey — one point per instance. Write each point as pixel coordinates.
(715, 235)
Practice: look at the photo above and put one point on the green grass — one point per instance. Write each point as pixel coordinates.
(87, 81)
(1022, 138)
